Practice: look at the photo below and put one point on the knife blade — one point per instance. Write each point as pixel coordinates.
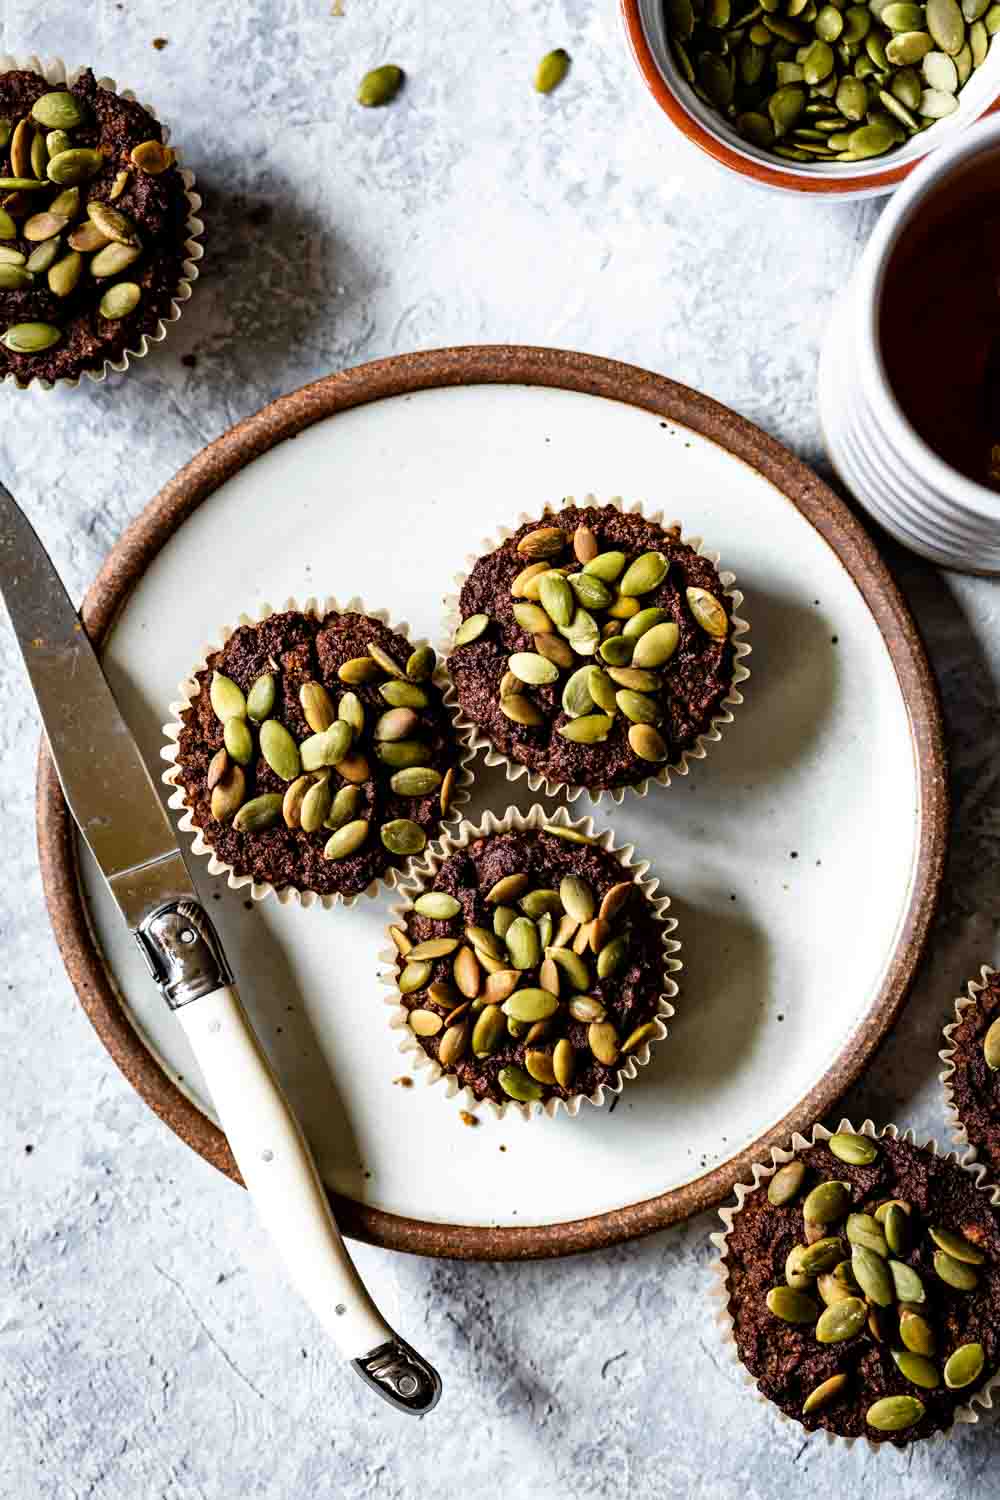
(115, 804)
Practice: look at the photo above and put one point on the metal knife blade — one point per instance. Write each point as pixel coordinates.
(104, 778)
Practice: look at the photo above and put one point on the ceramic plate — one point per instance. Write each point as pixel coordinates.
(803, 856)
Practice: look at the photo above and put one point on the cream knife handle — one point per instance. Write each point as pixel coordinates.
(276, 1163)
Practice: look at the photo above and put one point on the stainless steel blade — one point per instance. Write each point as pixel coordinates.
(104, 778)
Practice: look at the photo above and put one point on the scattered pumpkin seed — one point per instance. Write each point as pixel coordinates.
(894, 1413)
(824, 1393)
(856, 1150)
(228, 794)
(786, 1184)
(438, 905)
(551, 70)
(118, 301)
(916, 1333)
(58, 110)
(827, 1203)
(403, 836)
(843, 1320)
(964, 1366)
(873, 1276)
(380, 86)
(791, 1306)
(346, 841)
(260, 699)
(71, 167)
(259, 814)
(955, 1273)
(957, 1246)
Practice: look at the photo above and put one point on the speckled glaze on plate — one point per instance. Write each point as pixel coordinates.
(791, 981)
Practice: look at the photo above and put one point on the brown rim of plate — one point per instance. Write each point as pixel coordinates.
(746, 166)
(590, 375)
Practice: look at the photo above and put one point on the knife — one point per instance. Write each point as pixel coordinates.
(117, 810)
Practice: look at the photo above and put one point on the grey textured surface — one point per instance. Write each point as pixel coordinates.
(148, 1345)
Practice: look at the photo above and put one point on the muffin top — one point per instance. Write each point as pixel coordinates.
(864, 1287)
(532, 966)
(594, 646)
(92, 226)
(976, 1084)
(317, 752)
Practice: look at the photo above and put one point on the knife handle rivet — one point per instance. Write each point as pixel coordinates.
(267, 1156)
(188, 935)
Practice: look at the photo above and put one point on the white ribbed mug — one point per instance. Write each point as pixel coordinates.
(883, 461)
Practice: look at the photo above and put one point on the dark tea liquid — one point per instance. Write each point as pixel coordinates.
(940, 319)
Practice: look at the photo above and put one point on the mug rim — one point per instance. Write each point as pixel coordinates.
(981, 136)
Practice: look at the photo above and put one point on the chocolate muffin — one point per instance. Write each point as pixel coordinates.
(316, 752)
(93, 223)
(975, 1082)
(864, 1287)
(532, 966)
(594, 647)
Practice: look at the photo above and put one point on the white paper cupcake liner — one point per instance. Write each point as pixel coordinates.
(514, 769)
(421, 878)
(54, 71)
(964, 1003)
(965, 1414)
(188, 689)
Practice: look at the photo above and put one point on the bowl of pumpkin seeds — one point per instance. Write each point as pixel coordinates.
(835, 97)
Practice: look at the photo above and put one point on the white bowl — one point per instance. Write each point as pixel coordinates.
(891, 471)
(646, 32)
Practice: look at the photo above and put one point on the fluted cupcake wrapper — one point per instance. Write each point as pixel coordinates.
(963, 1004)
(421, 878)
(981, 1400)
(188, 689)
(54, 71)
(475, 737)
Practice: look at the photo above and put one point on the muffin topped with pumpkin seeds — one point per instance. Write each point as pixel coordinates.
(532, 967)
(863, 1281)
(594, 647)
(316, 752)
(93, 223)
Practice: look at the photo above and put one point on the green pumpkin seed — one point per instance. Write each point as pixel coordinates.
(829, 23)
(786, 1184)
(843, 1320)
(589, 591)
(945, 24)
(964, 1366)
(832, 1289)
(827, 1203)
(753, 127)
(11, 257)
(345, 807)
(66, 205)
(822, 1255)
(531, 1005)
(644, 575)
(226, 698)
(8, 229)
(319, 750)
(532, 618)
(856, 1150)
(602, 1039)
(992, 20)
(112, 224)
(907, 48)
(551, 70)
(521, 710)
(228, 794)
(517, 1084)
(532, 669)
(791, 1306)
(509, 887)
(119, 300)
(399, 754)
(414, 975)
(934, 105)
(957, 1274)
(415, 781)
(348, 840)
(643, 621)
(483, 940)
(557, 598)
(916, 1333)
(58, 111)
(470, 630)
(260, 699)
(316, 806)
(616, 650)
(259, 814)
(403, 836)
(489, 1031)
(113, 259)
(380, 86)
(648, 743)
(637, 707)
(21, 185)
(238, 740)
(798, 1280)
(980, 43)
(824, 1393)
(563, 1062)
(635, 678)
(572, 965)
(917, 1369)
(817, 62)
(852, 98)
(590, 729)
(536, 903)
(569, 835)
(862, 1229)
(873, 1276)
(396, 724)
(607, 566)
(524, 945)
(317, 706)
(56, 141)
(894, 1413)
(656, 646)
(602, 689)
(903, 16)
(907, 1283)
(957, 1246)
(438, 905)
(896, 1225)
(503, 917)
(421, 663)
(43, 226)
(398, 695)
(586, 1008)
(30, 338)
(940, 72)
(280, 751)
(74, 166)
(576, 699)
(385, 661)
(14, 278)
(611, 957)
(577, 898)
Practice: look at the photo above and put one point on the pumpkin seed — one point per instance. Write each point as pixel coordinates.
(544, 541)
(907, 47)
(30, 338)
(935, 105)
(488, 1032)
(577, 898)
(639, 1037)
(991, 1047)
(602, 1039)
(589, 591)
(259, 814)
(531, 1005)
(786, 1184)
(452, 1046)
(957, 1274)
(39, 156)
(556, 597)
(916, 1333)
(791, 1306)
(827, 1202)
(843, 1320)
(615, 900)
(616, 650)
(121, 178)
(907, 1283)
(113, 259)
(563, 1063)
(508, 888)
(226, 698)
(499, 985)
(917, 1369)
(238, 740)
(602, 689)
(647, 743)
(576, 699)
(862, 1229)
(572, 965)
(611, 957)
(832, 1290)
(644, 575)
(822, 1255)
(656, 646)
(532, 669)
(425, 1022)
(516, 1083)
(316, 805)
(396, 724)
(607, 566)
(536, 903)
(570, 835)
(894, 1413)
(118, 301)
(637, 707)
(403, 836)
(590, 729)
(326, 749)
(415, 781)
(228, 794)
(633, 677)
(824, 1393)
(467, 972)
(957, 1246)
(585, 545)
(8, 229)
(644, 620)
(348, 840)
(903, 16)
(521, 710)
(964, 1366)
(551, 70)
(798, 1279)
(896, 1225)
(523, 945)
(345, 807)
(260, 699)
(380, 86)
(586, 1008)
(77, 165)
(438, 905)
(291, 803)
(525, 585)
(317, 706)
(539, 1065)
(397, 754)
(414, 976)
(873, 1276)
(58, 110)
(14, 278)
(480, 938)
(20, 185)
(217, 768)
(945, 24)
(708, 612)
(532, 618)
(856, 1150)
(940, 72)
(358, 670)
